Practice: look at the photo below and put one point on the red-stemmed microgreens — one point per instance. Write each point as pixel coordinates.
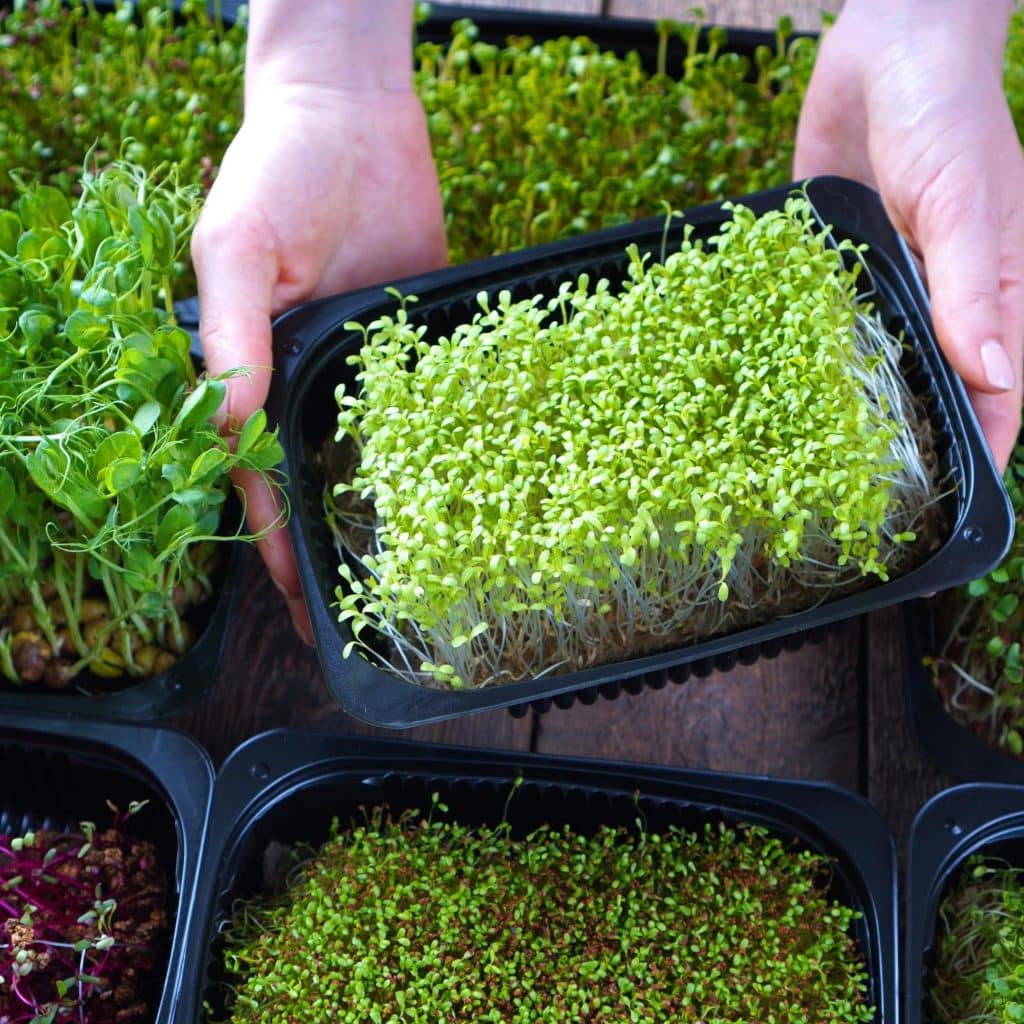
(83, 917)
(112, 478)
(557, 484)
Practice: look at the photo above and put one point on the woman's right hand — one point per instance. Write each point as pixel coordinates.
(323, 190)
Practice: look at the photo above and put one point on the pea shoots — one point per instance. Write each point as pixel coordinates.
(112, 478)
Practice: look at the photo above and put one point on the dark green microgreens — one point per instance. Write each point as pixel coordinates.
(977, 975)
(139, 82)
(536, 141)
(567, 482)
(425, 922)
(112, 480)
(978, 670)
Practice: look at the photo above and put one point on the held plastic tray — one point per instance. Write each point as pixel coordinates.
(976, 818)
(311, 348)
(952, 746)
(286, 787)
(59, 772)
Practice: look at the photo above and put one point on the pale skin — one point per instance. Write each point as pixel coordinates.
(330, 185)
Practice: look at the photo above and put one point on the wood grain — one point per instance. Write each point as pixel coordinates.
(271, 680)
(900, 777)
(795, 715)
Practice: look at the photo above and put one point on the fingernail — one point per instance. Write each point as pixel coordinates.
(998, 368)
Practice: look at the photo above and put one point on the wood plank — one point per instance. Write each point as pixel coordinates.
(796, 715)
(806, 14)
(900, 777)
(270, 679)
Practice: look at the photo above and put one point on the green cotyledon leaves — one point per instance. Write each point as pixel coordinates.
(112, 477)
(557, 482)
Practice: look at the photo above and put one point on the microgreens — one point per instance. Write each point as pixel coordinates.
(536, 141)
(433, 921)
(977, 973)
(561, 483)
(112, 480)
(152, 82)
(978, 668)
(1013, 79)
(83, 918)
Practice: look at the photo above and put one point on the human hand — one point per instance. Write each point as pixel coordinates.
(911, 103)
(322, 190)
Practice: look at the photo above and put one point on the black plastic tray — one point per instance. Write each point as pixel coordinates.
(975, 818)
(310, 350)
(286, 786)
(58, 772)
(960, 753)
(620, 36)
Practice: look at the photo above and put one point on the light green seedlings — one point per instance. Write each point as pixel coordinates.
(429, 922)
(978, 974)
(725, 438)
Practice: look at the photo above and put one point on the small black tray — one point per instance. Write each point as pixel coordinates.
(310, 350)
(960, 753)
(59, 772)
(286, 786)
(958, 822)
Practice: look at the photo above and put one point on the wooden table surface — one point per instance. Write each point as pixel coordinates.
(831, 712)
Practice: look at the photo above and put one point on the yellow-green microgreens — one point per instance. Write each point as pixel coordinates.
(562, 483)
(430, 922)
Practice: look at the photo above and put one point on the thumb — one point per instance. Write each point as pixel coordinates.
(958, 227)
(236, 270)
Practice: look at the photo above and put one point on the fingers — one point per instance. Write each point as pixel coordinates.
(958, 224)
(999, 417)
(236, 268)
(263, 512)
